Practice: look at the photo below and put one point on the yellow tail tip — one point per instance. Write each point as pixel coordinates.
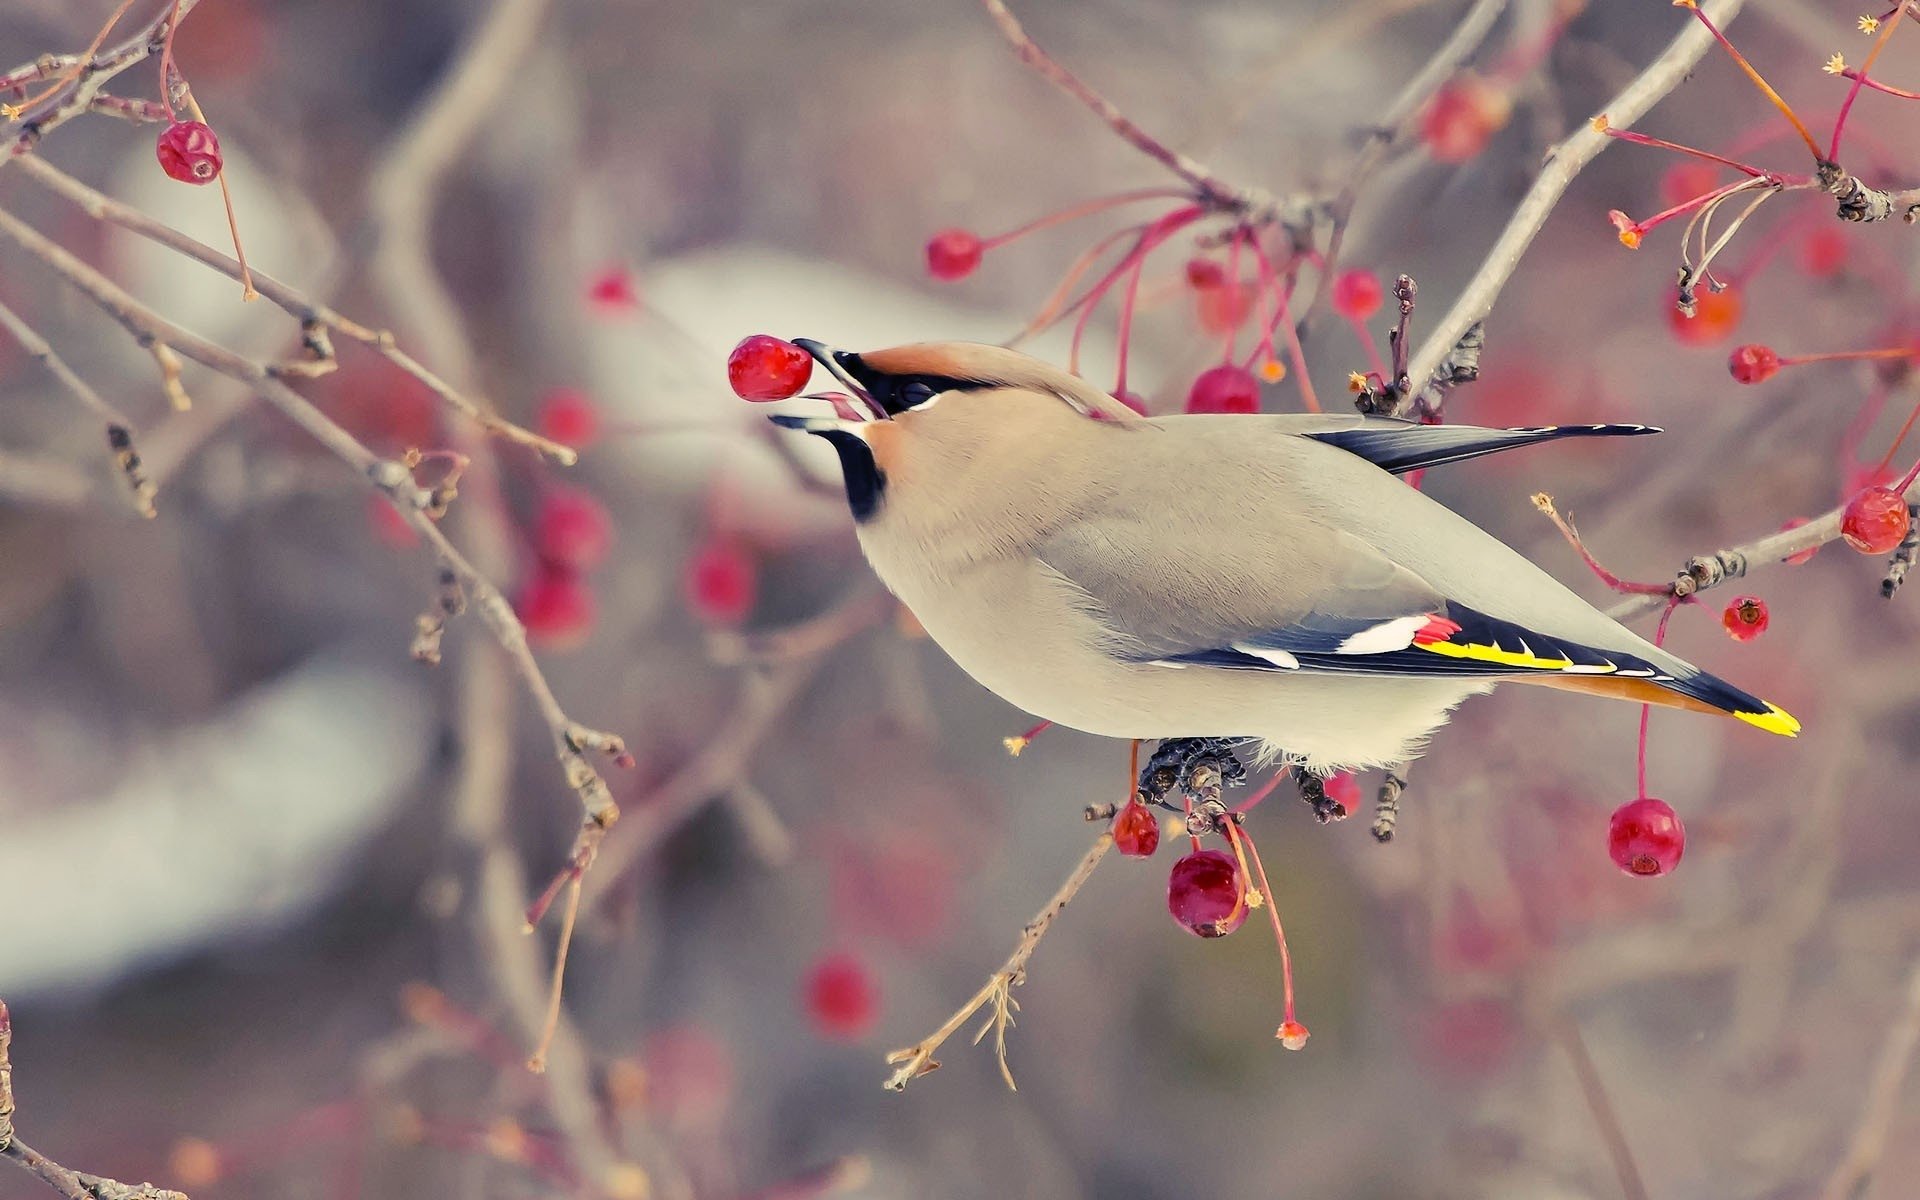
(1774, 720)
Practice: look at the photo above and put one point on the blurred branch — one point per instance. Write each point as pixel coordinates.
(1854, 1175)
(1564, 163)
(85, 77)
(1567, 1033)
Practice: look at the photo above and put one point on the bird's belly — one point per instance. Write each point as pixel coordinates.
(1022, 636)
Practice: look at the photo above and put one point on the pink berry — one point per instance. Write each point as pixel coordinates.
(1223, 306)
(1746, 618)
(1204, 273)
(1645, 838)
(1343, 789)
(1136, 831)
(572, 530)
(1357, 295)
(1876, 520)
(1716, 315)
(1224, 389)
(722, 582)
(841, 997)
(612, 291)
(954, 254)
(1823, 252)
(189, 151)
(1752, 363)
(557, 608)
(1794, 560)
(1462, 118)
(766, 368)
(567, 416)
(1204, 893)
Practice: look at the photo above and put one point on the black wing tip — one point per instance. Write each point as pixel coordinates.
(1604, 430)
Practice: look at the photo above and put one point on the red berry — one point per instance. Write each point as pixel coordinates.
(1223, 306)
(1716, 314)
(1205, 893)
(612, 291)
(1876, 520)
(556, 606)
(565, 415)
(1133, 400)
(188, 151)
(1645, 838)
(1823, 252)
(1136, 831)
(1794, 560)
(954, 254)
(1752, 363)
(1745, 618)
(1344, 790)
(1358, 295)
(722, 582)
(1462, 118)
(841, 997)
(1204, 273)
(1224, 389)
(572, 530)
(766, 368)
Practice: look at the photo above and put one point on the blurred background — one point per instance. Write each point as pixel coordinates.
(262, 874)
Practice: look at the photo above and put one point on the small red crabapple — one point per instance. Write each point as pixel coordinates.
(1462, 118)
(612, 291)
(572, 529)
(1206, 894)
(1752, 363)
(1823, 252)
(766, 368)
(557, 608)
(1224, 389)
(567, 416)
(841, 997)
(954, 254)
(1343, 789)
(1746, 618)
(189, 151)
(1204, 273)
(1357, 295)
(1136, 831)
(1716, 315)
(1794, 560)
(1875, 521)
(1644, 837)
(722, 582)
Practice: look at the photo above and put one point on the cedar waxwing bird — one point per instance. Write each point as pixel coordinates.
(1201, 575)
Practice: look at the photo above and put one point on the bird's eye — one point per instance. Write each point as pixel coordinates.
(914, 393)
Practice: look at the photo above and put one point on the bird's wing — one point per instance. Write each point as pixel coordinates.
(1402, 446)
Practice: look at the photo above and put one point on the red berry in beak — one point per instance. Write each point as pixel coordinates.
(766, 368)
(189, 151)
(1876, 521)
(1206, 894)
(1136, 831)
(1645, 837)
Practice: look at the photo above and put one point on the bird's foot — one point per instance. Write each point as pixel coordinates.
(1194, 768)
(1313, 790)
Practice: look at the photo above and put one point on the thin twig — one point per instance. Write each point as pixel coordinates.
(1595, 1092)
(1854, 1175)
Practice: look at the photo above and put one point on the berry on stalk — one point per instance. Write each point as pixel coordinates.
(1462, 118)
(1224, 389)
(766, 368)
(1136, 831)
(1206, 894)
(1645, 837)
(954, 254)
(1876, 520)
(722, 582)
(1752, 363)
(841, 997)
(189, 151)
(1746, 618)
(567, 416)
(1357, 295)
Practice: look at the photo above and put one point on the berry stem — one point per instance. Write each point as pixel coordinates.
(1233, 295)
(226, 198)
(1264, 790)
(1056, 305)
(1283, 319)
(1079, 211)
(166, 59)
(1860, 78)
(1237, 836)
(1641, 139)
(1786, 110)
(1149, 240)
(1125, 334)
(1021, 741)
(1794, 360)
(60, 81)
(537, 1061)
(1898, 438)
(1646, 710)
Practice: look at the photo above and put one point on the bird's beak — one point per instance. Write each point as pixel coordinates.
(872, 387)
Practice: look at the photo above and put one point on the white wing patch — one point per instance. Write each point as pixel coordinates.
(1279, 658)
(1383, 638)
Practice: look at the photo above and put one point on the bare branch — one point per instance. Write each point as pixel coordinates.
(1854, 1175)
(1595, 1092)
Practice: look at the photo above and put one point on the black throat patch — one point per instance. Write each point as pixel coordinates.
(866, 483)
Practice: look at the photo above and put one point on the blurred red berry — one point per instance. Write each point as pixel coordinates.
(612, 291)
(1716, 315)
(1204, 273)
(722, 582)
(1223, 307)
(188, 151)
(1752, 363)
(1343, 789)
(390, 524)
(1133, 400)
(567, 416)
(689, 1072)
(572, 529)
(557, 608)
(954, 254)
(1136, 831)
(1794, 560)
(1823, 252)
(765, 368)
(1462, 118)
(897, 886)
(1685, 180)
(1875, 521)
(1224, 389)
(1645, 838)
(1746, 618)
(1204, 893)
(841, 997)
(1357, 295)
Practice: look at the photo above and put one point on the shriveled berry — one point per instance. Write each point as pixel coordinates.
(1752, 363)
(1224, 389)
(1715, 316)
(766, 368)
(722, 582)
(1645, 838)
(954, 254)
(557, 608)
(1206, 894)
(1794, 560)
(1136, 831)
(567, 416)
(1876, 520)
(189, 151)
(841, 997)
(1357, 295)
(1293, 1035)
(1462, 118)
(572, 529)
(1746, 618)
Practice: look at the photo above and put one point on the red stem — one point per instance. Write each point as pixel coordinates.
(1860, 78)
(1641, 139)
(1076, 212)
